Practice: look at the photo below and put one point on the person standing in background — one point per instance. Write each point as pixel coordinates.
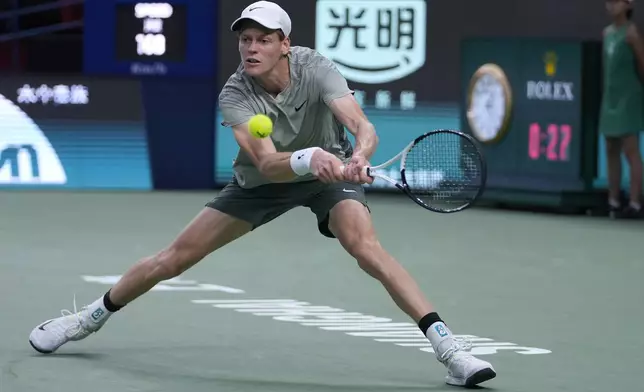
(622, 110)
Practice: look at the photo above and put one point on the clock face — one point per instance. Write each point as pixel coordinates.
(489, 104)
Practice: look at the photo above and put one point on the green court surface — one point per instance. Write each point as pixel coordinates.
(555, 303)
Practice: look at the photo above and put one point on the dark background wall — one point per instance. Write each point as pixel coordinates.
(448, 22)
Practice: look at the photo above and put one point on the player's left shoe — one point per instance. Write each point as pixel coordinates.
(72, 326)
(464, 369)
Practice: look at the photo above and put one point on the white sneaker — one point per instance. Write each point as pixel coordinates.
(50, 335)
(463, 369)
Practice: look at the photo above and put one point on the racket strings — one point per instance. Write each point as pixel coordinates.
(444, 171)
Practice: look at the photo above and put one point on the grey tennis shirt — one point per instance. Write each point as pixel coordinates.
(301, 116)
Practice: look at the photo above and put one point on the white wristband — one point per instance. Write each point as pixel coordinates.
(301, 160)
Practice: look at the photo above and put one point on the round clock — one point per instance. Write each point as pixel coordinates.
(489, 103)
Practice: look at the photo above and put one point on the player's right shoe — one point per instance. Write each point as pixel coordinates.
(464, 369)
(52, 334)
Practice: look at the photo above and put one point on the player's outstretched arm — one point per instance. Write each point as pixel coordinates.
(286, 166)
(272, 164)
(347, 110)
(337, 95)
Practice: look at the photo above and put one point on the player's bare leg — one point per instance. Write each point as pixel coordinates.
(208, 231)
(614, 161)
(351, 223)
(631, 145)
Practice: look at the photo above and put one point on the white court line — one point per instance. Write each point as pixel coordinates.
(379, 329)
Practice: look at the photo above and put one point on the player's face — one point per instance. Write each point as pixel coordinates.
(616, 8)
(260, 51)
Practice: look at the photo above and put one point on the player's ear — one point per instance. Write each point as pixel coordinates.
(286, 45)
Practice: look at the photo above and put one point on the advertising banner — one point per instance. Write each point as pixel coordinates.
(395, 129)
(72, 132)
(380, 33)
(526, 100)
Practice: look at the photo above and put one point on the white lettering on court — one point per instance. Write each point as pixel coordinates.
(174, 284)
(380, 329)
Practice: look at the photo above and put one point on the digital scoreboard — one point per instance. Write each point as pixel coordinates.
(150, 38)
(533, 104)
(151, 31)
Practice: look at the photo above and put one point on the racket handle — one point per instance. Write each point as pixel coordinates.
(364, 169)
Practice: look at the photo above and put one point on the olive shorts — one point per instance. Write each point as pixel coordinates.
(264, 203)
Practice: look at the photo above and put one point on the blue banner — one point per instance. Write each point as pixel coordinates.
(395, 127)
(72, 132)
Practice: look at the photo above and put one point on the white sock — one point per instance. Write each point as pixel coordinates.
(98, 313)
(635, 206)
(440, 337)
(613, 203)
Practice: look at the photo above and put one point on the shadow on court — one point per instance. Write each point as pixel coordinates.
(549, 300)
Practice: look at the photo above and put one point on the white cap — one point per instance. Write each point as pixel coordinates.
(267, 14)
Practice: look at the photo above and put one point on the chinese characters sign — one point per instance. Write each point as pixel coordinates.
(74, 97)
(383, 99)
(59, 94)
(372, 41)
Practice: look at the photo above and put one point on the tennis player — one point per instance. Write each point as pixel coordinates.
(299, 165)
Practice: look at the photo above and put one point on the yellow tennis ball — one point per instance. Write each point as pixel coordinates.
(260, 126)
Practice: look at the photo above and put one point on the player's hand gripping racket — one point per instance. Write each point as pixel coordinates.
(442, 170)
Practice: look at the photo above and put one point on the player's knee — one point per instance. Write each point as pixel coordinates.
(366, 254)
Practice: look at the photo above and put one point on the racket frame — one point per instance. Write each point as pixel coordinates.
(372, 171)
(404, 186)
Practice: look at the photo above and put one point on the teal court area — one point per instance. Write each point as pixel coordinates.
(553, 302)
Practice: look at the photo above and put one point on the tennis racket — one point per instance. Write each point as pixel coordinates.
(442, 171)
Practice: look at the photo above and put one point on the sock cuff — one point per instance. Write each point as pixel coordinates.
(427, 321)
(109, 305)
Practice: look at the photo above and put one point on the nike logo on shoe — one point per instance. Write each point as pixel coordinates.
(348, 190)
(43, 325)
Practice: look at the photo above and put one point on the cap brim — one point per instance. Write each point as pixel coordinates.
(268, 25)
